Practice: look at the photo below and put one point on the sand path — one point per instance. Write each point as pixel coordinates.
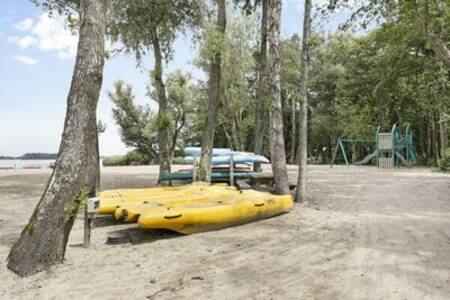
(366, 234)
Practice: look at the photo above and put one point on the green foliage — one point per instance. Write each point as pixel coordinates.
(135, 122)
(70, 210)
(238, 78)
(115, 160)
(179, 160)
(444, 162)
(139, 125)
(164, 120)
(133, 157)
(137, 24)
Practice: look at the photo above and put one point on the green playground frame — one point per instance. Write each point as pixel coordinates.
(391, 149)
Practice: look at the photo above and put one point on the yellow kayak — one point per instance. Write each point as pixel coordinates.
(241, 207)
(110, 201)
(130, 212)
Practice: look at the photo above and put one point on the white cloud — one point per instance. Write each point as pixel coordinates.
(25, 60)
(48, 34)
(22, 42)
(25, 24)
(53, 35)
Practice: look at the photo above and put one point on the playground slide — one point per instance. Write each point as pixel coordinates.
(402, 159)
(367, 159)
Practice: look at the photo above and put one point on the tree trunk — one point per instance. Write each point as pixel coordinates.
(293, 130)
(163, 121)
(277, 146)
(429, 141)
(215, 94)
(262, 83)
(443, 135)
(303, 125)
(423, 142)
(43, 240)
(181, 120)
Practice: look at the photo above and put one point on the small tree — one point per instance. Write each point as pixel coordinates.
(136, 122)
(144, 25)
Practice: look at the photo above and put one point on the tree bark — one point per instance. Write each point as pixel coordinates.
(181, 120)
(262, 83)
(443, 134)
(277, 145)
(215, 94)
(303, 125)
(43, 240)
(293, 130)
(163, 122)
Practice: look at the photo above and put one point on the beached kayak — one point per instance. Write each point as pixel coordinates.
(129, 212)
(109, 202)
(239, 208)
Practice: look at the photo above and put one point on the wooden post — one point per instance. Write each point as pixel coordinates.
(231, 170)
(90, 209)
(194, 170)
(87, 228)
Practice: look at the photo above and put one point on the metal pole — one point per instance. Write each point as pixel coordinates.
(231, 170)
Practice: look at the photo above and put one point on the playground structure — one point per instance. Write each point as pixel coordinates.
(389, 149)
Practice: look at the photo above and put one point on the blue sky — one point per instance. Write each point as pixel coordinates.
(36, 64)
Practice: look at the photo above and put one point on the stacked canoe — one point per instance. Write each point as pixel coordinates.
(191, 208)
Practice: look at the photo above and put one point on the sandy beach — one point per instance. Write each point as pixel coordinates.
(366, 233)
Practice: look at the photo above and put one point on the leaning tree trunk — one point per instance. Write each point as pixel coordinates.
(303, 128)
(215, 94)
(277, 146)
(262, 83)
(163, 120)
(43, 240)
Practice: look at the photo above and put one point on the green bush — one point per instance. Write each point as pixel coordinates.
(444, 162)
(132, 158)
(179, 160)
(116, 160)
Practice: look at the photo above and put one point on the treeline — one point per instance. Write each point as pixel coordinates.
(28, 156)
(356, 83)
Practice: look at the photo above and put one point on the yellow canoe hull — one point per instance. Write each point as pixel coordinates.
(242, 207)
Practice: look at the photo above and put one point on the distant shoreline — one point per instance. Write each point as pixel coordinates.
(31, 156)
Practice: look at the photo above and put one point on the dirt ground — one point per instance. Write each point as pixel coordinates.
(365, 234)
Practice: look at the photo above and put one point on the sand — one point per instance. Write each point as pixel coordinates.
(365, 234)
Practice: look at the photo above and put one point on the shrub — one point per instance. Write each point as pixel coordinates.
(132, 158)
(116, 160)
(444, 162)
(179, 160)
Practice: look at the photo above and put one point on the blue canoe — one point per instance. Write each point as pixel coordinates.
(238, 158)
(196, 151)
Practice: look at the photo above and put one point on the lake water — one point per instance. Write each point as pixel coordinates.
(28, 163)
